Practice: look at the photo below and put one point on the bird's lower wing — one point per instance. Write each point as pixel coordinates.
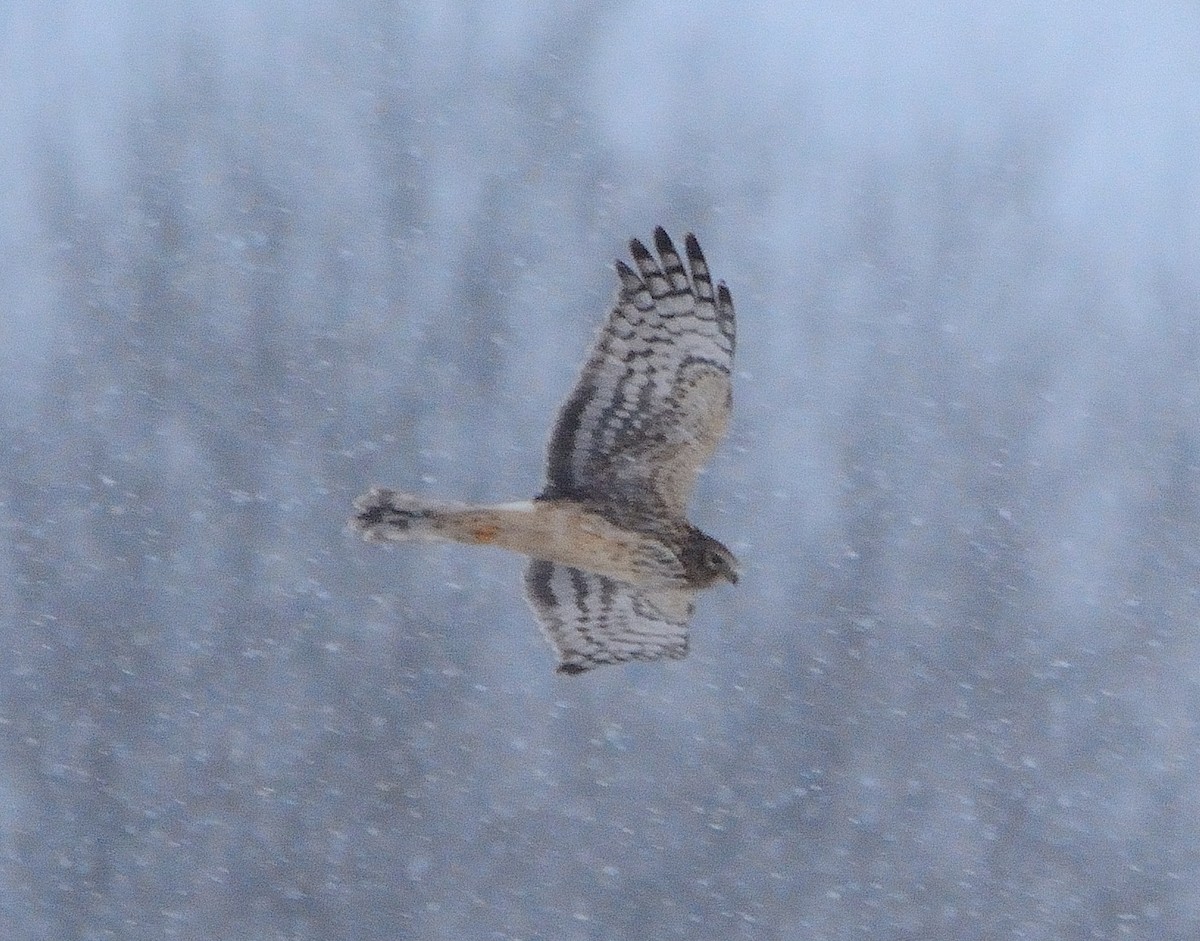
(592, 620)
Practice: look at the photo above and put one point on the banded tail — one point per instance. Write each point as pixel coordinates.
(387, 515)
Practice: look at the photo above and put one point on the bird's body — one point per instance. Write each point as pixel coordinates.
(615, 563)
(641, 549)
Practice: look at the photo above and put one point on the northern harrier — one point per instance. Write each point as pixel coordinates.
(615, 565)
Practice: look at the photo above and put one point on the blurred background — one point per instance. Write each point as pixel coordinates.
(256, 256)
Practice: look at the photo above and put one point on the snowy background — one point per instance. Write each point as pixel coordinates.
(255, 256)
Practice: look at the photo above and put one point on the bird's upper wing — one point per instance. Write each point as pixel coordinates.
(593, 620)
(654, 396)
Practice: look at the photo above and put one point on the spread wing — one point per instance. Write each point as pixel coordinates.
(592, 620)
(653, 399)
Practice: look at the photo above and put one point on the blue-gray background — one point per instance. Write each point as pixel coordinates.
(257, 255)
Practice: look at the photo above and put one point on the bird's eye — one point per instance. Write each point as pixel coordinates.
(715, 560)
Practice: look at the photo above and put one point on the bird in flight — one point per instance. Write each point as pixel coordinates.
(614, 564)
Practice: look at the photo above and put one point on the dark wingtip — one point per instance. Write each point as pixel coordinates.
(570, 669)
(638, 250)
(724, 296)
(662, 241)
(692, 244)
(630, 279)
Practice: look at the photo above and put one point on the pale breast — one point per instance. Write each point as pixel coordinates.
(564, 531)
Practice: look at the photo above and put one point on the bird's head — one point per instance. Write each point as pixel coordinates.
(706, 560)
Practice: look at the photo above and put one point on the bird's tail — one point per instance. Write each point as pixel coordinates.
(386, 515)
